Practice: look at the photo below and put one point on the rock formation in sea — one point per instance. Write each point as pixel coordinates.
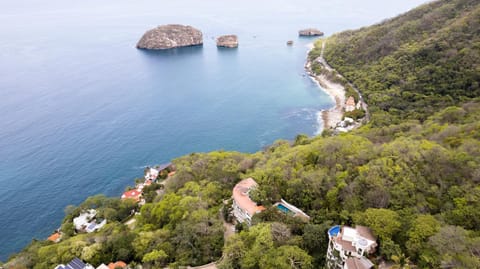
(170, 36)
(228, 41)
(310, 32)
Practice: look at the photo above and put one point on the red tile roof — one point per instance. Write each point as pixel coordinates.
(132, 194)
(54, 237)
(118, 264)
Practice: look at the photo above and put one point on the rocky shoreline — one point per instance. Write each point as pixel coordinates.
(333, 116)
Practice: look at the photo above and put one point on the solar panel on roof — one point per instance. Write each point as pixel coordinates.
(76, 263)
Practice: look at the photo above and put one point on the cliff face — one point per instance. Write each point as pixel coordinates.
(310, 32)
(228, 41)
(170, 36)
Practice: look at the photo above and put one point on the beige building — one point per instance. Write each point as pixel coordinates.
(243, 207)
(350, 104)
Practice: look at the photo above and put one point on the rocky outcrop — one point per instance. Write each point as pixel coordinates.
(227, 41)
(170, 36)
(310, 32)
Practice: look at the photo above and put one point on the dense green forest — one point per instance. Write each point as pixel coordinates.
(410, 66)
(411, 174)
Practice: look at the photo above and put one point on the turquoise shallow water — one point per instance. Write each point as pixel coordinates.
(82, 111)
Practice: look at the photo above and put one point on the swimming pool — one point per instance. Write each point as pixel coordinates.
(283, 209)
(334, 230)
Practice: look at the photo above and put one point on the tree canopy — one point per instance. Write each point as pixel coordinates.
(412, 174)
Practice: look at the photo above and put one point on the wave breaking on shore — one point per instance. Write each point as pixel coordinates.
(328, 118)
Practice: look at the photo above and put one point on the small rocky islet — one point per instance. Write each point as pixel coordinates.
(170, 36)
(176, 35)
(310, 32)
(227, 41)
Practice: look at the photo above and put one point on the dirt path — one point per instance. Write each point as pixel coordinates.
(331, 117)
(229, 230)
(212, 265)
(131, 223)
(322, 60)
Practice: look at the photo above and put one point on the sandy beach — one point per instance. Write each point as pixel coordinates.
(336, 91)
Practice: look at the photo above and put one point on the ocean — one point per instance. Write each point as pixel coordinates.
(82, 111)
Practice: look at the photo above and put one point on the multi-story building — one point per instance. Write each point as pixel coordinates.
(243, 207)
(348, 247)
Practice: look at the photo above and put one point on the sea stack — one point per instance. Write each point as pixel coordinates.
(310, 32)
(170, 36)
(227, 41)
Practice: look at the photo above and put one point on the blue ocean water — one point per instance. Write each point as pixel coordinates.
(82, 111)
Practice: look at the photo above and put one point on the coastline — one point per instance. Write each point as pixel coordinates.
(330, 117)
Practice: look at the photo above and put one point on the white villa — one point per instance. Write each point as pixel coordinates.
(348, 246)
(243, 207)
(87, 222)
(151, 174)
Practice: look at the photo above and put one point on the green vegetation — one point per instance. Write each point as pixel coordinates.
(265, 245)
(415, 184)
(412, 174)
(331, 75)
(355, 114)
(415, 64)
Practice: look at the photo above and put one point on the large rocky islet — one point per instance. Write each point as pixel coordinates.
(170, 36)
(310, 32)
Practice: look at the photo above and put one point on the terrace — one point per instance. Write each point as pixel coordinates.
(291, 210)
(347, 247)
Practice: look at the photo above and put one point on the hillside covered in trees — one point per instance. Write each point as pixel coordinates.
(412, 174)
(410, 66)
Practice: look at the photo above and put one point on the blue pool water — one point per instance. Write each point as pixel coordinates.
(334, 230)
(283, 209)
(83, 112)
